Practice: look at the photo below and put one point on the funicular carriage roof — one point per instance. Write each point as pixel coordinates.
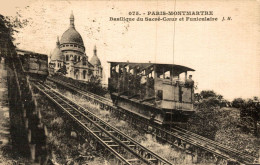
(160, 66)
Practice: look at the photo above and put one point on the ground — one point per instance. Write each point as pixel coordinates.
(224, 126)
(165, 150)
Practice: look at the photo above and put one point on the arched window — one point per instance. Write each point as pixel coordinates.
(84, 74)
(78, 58)
(67, 57)
(75, 58)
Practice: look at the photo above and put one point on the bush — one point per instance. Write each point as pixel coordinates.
(205, 122)
(210, 102)
(207, 93)
(238, 102)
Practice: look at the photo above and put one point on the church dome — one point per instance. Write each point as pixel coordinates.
(94, 59)
(57, 54)
(71, 35)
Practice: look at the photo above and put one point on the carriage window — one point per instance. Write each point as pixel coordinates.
(152, 74)
(160, 94)
(167, 75)
(182, 76)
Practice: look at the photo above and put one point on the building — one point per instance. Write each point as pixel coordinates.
(69, 54)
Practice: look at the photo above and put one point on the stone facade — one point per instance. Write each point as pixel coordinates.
(70, 53)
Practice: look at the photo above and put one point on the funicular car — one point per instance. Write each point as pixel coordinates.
(153, 90)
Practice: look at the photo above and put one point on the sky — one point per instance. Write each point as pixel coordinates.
(225, 54)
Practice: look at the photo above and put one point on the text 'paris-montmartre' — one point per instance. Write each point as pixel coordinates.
(171, 13)
(167, 16)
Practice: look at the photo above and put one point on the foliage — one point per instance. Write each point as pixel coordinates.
(238, 102)
(11, 25)
(207, 93)
(94, 85)
(205, 122)
(209, 102)
(63, 70)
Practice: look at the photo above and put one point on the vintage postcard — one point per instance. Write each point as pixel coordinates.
(130, 82)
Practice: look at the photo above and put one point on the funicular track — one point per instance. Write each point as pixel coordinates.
(116, 146)
(188, 141)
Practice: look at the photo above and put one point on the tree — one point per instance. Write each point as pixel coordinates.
(205, 122)
(8, 27)
(238, 102)
(63, 70)
(11, 25)
(207, 93)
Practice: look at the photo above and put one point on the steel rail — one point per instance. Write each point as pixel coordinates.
(116, 131)
(86, 92)
(217, 145)
(115, 134)
(44, 91)
(196, 140)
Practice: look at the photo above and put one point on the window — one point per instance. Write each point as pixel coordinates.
(167, 75)
(159, 95)
(84, 74)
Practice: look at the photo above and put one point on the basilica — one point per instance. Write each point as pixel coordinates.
(69, 55)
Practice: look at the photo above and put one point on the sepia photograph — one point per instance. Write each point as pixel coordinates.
(103, 82)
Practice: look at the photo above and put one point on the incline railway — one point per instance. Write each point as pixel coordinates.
(181, 138)
(117, 147)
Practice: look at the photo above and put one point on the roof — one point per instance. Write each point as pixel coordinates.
(160, 65)
(95, 60)
(21, 51)
(56, 54)
(80, 65)
(71, 36)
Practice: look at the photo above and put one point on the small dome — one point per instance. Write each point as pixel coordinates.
(95, 60)
(57, 54)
